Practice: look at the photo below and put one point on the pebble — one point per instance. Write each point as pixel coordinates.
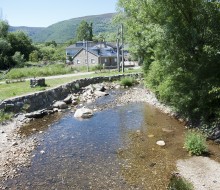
(150, 136)
(161, 143)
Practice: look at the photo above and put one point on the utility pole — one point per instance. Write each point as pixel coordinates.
(118, 52)
(122, 47)
(87, 60)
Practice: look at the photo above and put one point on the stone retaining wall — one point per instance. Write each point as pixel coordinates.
(44, 99)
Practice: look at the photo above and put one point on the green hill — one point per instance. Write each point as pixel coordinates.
(31, 31)
(65, 30)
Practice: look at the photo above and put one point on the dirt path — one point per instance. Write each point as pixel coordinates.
(202, 172)
(61, 76)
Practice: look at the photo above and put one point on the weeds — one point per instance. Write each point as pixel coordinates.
(127, 81)
(178, 183)
(5, 116)
(195, 143)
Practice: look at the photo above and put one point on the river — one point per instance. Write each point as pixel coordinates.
(115, 149)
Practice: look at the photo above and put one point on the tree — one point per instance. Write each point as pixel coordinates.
(3, 29)
(178, 42)
(20, 42)
(18, 59)
(34, 56)
(5, 60)
(84, 31)
(51, 43)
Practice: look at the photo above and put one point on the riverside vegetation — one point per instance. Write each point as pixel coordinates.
(179, 51)
(195, 143)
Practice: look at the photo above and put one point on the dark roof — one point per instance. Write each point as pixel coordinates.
(98, 52)
(99, 49)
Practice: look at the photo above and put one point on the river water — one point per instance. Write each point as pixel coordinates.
(115, 149)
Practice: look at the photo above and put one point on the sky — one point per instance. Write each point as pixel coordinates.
(42, 13)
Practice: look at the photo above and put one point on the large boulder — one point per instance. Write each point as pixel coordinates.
(60, 105)
(68, 99)
(99, 87)
(36, 114)
(83, 113)
(215, 135)
(100, 93)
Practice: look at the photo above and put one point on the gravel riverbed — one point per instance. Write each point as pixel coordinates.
(15, 150)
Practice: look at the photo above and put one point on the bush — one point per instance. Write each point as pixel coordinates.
(195, 143)
(177, 182)
(127, 81)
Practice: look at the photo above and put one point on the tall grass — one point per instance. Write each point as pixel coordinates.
(49, 70)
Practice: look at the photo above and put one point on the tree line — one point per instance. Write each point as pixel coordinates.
(16, 48)
(178, 43)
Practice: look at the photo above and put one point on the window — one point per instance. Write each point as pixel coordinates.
(105, 60)
(92, 61)
(78, 61)
(115, 60)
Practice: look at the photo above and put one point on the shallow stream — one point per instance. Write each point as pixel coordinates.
(115, 149)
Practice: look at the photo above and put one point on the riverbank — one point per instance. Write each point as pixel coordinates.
(15, 150)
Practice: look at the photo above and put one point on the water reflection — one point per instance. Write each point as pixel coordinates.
(112, 150)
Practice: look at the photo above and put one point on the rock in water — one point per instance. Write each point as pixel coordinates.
(36, 114)
(100, 93)
(83, 113)
(60, 105)
(161, 143)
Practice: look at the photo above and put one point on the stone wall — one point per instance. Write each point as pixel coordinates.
(44, 99)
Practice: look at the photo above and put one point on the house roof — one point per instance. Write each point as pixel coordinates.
(99, 50)
(98, 53)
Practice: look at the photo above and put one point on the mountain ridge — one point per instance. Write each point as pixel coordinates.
(65, 30)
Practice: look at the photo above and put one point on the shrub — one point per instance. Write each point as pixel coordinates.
(195, 143)
(127, 81)
(177, 182)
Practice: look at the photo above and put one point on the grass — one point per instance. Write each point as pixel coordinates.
(195, 143)
(127, 81)
(49, 70)
(17, 89)
(22, 88)
(178, 183)
(5, 116)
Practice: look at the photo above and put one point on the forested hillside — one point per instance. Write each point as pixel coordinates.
(65, 30)
(30, 31)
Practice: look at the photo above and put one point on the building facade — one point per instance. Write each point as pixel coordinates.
(83, 53)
